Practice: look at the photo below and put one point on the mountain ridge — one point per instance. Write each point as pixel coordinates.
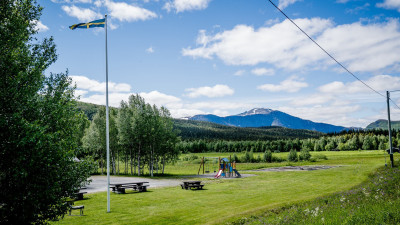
(259, 117)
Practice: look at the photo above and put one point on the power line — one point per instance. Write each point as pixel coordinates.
(326, 51)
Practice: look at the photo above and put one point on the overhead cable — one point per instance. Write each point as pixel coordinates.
(326, 51)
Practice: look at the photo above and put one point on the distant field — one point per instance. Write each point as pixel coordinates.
(225, 200)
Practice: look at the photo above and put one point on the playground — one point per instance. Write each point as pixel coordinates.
(224, 167)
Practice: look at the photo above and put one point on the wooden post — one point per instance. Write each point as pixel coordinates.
(203, 164)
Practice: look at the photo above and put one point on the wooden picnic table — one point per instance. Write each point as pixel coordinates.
(79, 194)
(192, 184)
(120, 188)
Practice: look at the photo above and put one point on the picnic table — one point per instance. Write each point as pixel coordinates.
(79, 194)
(191, 184)
(137, 186)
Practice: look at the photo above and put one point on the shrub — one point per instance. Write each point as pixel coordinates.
(190, 157)
(268, 156)
(248, 157)
(292, 156)
(304, 155)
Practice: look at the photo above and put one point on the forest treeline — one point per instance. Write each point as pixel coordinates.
(141, 136)
(135, 137)
(344, 141)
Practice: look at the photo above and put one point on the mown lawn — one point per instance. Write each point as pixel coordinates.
(227, 200)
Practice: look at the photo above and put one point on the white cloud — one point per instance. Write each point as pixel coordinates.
(72, 1)
(186, 5)
(218, 90)
(84, 83)
(40, 27)
(291, 85)
(150, 50)
(263, 72)
(83, 15)
(390, 4)
(285, 3)
(125, 12)
(361, 47)
(380, 83)
(239, 72)
(161, 99)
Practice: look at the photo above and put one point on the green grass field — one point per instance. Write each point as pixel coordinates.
(227, 200)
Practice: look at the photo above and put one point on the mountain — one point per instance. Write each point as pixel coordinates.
(260, 117)
(383, 124)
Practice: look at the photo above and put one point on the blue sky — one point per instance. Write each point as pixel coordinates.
(228, 56)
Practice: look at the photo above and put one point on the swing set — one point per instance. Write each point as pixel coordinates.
(205, 164)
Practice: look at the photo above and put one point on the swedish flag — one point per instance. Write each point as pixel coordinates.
(95, 23)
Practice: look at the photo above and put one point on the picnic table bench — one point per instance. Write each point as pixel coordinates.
(192, 184)
(73, 207)
(137, 186)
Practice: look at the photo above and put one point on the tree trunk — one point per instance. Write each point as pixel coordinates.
(163, 166)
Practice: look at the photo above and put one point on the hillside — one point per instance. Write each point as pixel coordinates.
(383, 124)
(191, 130)
(267, 117)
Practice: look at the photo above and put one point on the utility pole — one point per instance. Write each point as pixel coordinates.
(390, 129)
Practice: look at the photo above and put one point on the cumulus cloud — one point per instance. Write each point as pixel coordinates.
(83, 15)
(129, 13)
(150, 50)
(361, 47)
(72, 1)
(218, 90)
(389, 4)
(285, 3)
(263, 72)
(39, 26)
(291, 85)
(84, 83)
(186, 5)
(239, 72)
(161, 99)
(380, 83)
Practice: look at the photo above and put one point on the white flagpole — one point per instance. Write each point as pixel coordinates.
(107, 127)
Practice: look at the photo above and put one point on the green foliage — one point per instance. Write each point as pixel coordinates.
(190, 157)
(304, 155)
(268, 156)
(292, 156)
(194, 130)
(38, 123)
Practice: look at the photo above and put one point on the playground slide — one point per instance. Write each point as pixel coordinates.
(218, 174)
(237, 173)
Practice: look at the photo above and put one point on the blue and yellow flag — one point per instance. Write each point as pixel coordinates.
(95, 23)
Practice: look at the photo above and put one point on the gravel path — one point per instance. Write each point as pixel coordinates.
(293, 168)
(99, 183)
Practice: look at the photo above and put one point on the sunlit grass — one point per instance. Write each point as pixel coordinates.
(230, 199)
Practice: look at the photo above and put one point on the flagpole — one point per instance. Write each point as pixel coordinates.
(107, 126)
